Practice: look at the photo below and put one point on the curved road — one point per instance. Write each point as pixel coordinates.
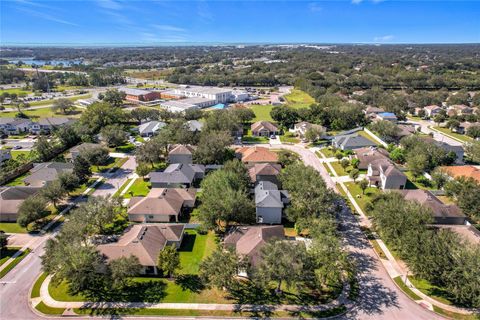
(379, 297)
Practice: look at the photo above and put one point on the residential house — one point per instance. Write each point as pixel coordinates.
(144, 241)
(368, 155)
(386, 116)
(161, 205)
(442, 213)
(5, 155)
(247, 241)
(11, 198)
(301, 128)
(265, 172)
(14, 126)
(43, 173)
(177, 175)
(75, 151)
(269, 203)
(405, 130)
(464, 126)
(47, 125)
(181, 154)
(150, 128)
(383, 174)
(351, 142)
(252, 155)
(264, 129)
(459, 110)
(195, 125)
(373, 111)
(467, 171)
(432, 111)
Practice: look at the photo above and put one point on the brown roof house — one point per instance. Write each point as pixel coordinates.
(144, 241)
(11, 198)
(252, 155)
(177, 175)
(264, 129)
(265, 172)
(467, 171)
(161, 205)
(369, 154)
(459, 110)
(442, 213)
(383, 174)
(43, 173)
(248, 241)
(181, 154)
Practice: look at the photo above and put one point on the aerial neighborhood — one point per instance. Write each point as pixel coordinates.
(191, 186)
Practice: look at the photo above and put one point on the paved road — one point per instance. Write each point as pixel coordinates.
(15, 286)
(379, 298)
(116, 179)
(424, 124)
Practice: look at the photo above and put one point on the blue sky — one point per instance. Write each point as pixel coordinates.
(158, 21)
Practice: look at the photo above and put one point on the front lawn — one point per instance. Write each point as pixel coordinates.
(139, 188)
(339, 169)
(461, 137)
(255, 139)
(289, 139)
(112, 162)
(262, 112)
(362, 199)
(328, 152)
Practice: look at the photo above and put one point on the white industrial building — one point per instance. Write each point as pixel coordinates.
(220, 95)
(178, 105)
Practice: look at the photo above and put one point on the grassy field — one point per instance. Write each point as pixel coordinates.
(362, 199)
(12, 264)
(458, 136)
(139, 188)
(17, 91)
(42, 113)
(7, 253)
(11, 227)
(262, 112)
(299, 99)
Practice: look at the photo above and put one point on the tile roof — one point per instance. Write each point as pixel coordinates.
(467, 171)
(257, 154)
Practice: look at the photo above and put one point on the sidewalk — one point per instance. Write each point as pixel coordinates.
(47, 299)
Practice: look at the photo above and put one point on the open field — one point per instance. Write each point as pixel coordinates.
(299, 99)
(42, 113)
(262, 112)
(17, 91)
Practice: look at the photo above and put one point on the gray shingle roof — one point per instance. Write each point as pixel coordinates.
(177, 173)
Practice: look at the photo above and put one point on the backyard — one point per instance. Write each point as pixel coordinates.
(262, 112)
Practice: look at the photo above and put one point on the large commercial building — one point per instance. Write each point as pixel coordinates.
(137, 95)
(218, 95)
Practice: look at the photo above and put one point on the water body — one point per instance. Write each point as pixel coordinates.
(31, 61)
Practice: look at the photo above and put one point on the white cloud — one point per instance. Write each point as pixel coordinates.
(46, 16)
(314, 7)
(109, 4)
(165, 27)
(385, 38)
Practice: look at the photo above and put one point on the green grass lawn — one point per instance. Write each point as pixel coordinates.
(407, 290)
(12, 264)
(195, 247)
(453, 315)
(117, 194)
(288, 139)
(42, 113)
(77, 192)
(418, 183)
(112, 162)
(262, 112)
(362, 199)
(438, 293)
(11, 227)
(16, 153)
(7, 253)
(366, 135)
(299, 99)
(18, 181)
(17, 91)
(139, 188)
(327, 152)
(43, 308)
(254, 139)
(339, 169)
(458, 136)
(37, 285)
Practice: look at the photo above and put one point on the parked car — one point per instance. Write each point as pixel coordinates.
(17, 147)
